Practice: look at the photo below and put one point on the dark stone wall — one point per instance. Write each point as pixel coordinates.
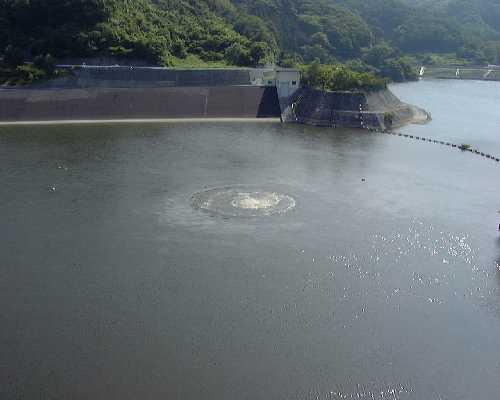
(375, 110)
(114, 103)
(335, 109)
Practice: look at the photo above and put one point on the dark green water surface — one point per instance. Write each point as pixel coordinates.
(112, 286)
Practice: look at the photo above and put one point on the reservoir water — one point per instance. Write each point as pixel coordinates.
(253, 260)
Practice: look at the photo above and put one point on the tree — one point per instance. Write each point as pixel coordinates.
(399, 70)
(236, 54)
(316, 52)
(260, 53)
(46, 63)
(340, 77)
(13, 56)
(379, 54)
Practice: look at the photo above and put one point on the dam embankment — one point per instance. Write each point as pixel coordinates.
(116, 93)
(121, 93)
(101, 103)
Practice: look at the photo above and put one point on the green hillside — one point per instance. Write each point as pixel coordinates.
(380, 36)
(468, 28)
(161, 32)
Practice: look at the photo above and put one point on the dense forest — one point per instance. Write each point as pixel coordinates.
(384, 37)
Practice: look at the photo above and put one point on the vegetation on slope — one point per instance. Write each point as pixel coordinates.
(383, 37)
(312, 29)
(340, 77)
(155, 31)
(468, 30)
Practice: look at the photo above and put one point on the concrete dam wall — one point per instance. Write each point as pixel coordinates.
(114, 92)
(135, 103)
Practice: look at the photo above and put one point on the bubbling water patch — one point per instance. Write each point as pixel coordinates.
(242, 201)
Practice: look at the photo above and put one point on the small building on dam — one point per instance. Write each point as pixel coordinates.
(285, 80)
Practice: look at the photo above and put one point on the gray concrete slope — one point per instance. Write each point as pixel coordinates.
(115, 103)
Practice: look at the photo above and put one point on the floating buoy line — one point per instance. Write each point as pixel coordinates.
(436, 141)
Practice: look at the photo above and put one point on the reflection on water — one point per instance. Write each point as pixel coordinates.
(381, 283)
(362, 391)
(498, 258)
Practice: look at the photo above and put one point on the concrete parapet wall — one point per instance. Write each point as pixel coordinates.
(142, 77)
(177, 102)
(130, 77)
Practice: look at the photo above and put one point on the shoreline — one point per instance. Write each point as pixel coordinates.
(418, 116)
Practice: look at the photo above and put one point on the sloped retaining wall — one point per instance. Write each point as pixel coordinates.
(115, 103)
(377, 110)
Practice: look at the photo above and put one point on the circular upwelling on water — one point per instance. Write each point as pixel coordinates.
(242, 201)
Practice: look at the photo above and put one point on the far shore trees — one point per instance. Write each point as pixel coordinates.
(386, 38)
(340, 77)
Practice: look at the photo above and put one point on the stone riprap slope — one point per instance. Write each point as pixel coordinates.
(376, 110)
